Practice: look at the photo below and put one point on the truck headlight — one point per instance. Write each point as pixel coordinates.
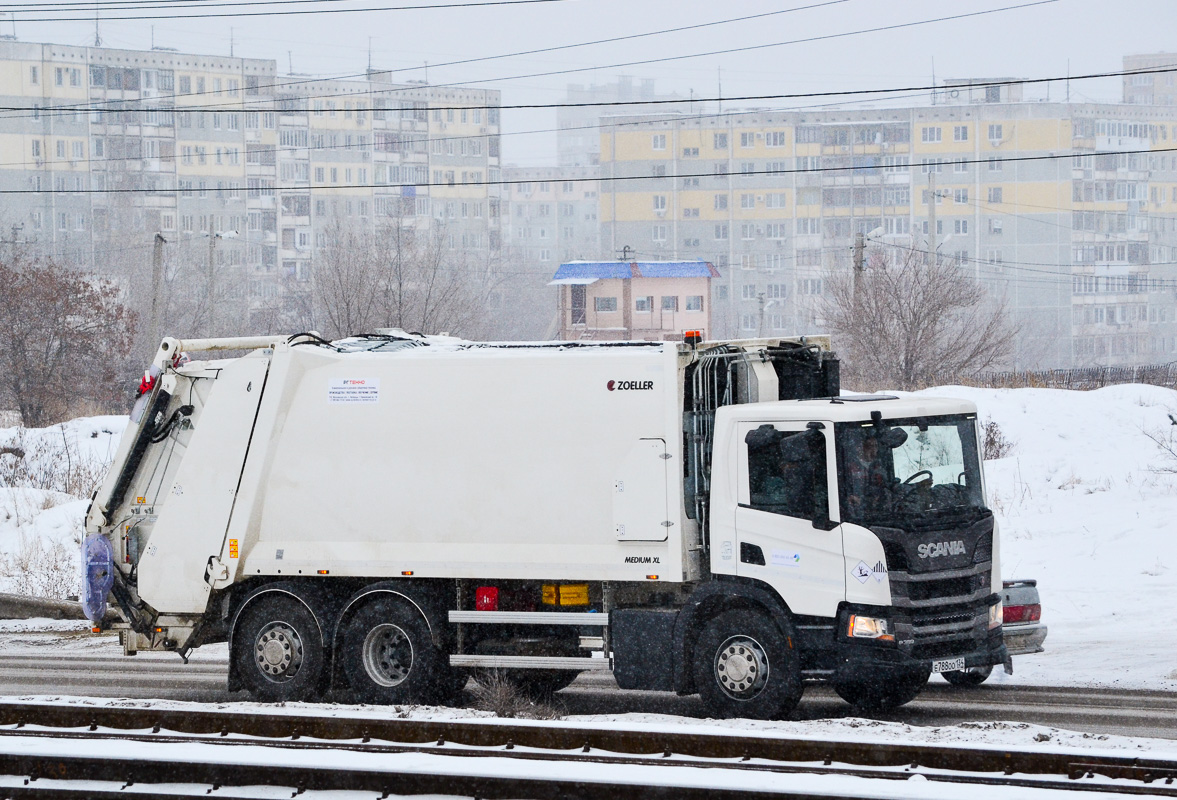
(869, 628)
(995, 615)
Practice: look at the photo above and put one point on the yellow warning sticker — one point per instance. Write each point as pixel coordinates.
(232, 548)
(141, 501)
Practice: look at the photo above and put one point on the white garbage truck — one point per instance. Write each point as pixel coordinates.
(392, 513)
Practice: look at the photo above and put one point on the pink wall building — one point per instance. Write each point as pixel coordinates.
(634, 300)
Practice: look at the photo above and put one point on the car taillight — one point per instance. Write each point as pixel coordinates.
(1030, 613)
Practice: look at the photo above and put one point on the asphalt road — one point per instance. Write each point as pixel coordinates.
(25, 671)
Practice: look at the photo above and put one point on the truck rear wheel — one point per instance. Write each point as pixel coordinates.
(883, 691)
(278, 651)
(746, 667)
(390, 657)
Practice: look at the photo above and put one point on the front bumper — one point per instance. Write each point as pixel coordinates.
(856, 658)
(1023, 639)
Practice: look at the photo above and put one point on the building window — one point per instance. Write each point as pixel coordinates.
(960, 226)
(994, 194)
(658, 141)
(720, 202)
(747, 201)
(960, 195)
(604, 304)
(748, 291)
(775, 200)
(658, 233)
(995, 227)
(721, 232)
(720, 141)
(694, 302)
(994, 164)
(643, 303)
(995, 133)
(930, 134)
(690, 152)
(960, 165)
(660, 203)
(670, 303)
(748, 322)
(960, 133)
(774, 139)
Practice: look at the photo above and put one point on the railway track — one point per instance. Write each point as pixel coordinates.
(70, 751)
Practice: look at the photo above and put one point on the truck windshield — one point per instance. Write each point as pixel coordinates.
(909, 472)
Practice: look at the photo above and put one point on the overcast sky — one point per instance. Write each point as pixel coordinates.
(1033, 41)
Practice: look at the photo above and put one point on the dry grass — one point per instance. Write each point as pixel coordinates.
(495, 692)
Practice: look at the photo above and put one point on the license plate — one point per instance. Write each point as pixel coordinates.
(948, 665)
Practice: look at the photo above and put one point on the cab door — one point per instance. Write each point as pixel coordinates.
(787, 529)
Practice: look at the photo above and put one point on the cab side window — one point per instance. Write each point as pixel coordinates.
(786, 471)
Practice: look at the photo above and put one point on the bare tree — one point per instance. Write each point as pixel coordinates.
(396, 276)
(906, 321)
(64, 337)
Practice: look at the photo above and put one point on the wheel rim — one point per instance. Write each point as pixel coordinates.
(741, 667)
(278, 652)
(388, 655)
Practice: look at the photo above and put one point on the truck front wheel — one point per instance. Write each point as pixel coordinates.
(390, 657)
(746, 667)
(278, 650)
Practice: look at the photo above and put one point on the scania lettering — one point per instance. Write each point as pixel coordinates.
(393, 513)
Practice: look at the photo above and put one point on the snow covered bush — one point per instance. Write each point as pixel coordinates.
(46, 478)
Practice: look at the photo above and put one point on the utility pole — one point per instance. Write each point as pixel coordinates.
(156, 283)
(859, 253)
(760, 328)
(212, 272)
(932, 244)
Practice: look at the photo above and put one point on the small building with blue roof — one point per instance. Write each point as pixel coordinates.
(633, 300)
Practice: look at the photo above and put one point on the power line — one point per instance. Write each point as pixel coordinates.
(603, 179)
(300, 12)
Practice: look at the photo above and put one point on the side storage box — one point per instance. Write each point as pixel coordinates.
(641, 640)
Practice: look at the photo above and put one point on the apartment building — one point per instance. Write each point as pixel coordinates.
(1158, 88)
(113, 146)
(578, 142)
(1081, 249)
(245, 175)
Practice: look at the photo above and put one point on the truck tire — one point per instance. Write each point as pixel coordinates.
(883, 692)
(278, 650)
(973, 676)
(745, 666)
(389, 656)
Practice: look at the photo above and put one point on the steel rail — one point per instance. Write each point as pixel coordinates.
(1079, 770)
(553, 737)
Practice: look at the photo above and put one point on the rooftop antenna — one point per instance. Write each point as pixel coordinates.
(97, 36)
(719, 80)
(933, 80)
(230, 42)
(1068, 80)
(426, 72)
(369, 55)
(152, 37)
(290, 61)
